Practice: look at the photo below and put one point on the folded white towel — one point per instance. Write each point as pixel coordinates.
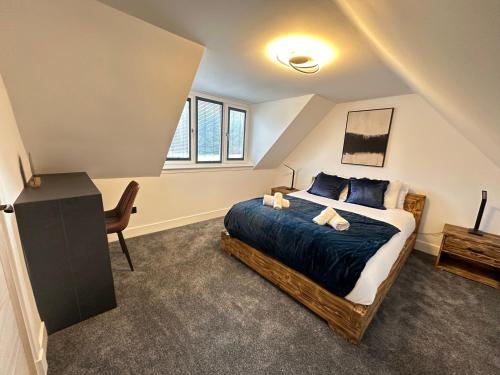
(278, 201)
(338, 222)
(325, 216)
(268, 200)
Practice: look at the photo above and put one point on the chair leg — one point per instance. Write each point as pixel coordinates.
(125, 249)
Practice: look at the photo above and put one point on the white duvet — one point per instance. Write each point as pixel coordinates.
(379, 265)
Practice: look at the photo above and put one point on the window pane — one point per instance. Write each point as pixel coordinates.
(179, 149)
(209, 131)
(236, 134)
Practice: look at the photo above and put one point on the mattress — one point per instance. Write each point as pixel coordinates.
(379, 265)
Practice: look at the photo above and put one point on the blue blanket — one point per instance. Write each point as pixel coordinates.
(330, 258)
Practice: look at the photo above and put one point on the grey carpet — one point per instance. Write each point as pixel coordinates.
(191, 309)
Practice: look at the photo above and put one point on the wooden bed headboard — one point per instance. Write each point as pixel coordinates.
(415, 203)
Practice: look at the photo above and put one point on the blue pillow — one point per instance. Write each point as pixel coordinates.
(366, 192)
(328, 186)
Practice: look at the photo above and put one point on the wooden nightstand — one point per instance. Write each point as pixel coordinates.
(283, 190)
(474, 257)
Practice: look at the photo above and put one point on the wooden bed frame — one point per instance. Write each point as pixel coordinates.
(346, 318)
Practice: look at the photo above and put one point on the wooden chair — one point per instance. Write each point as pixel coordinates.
(117, 219)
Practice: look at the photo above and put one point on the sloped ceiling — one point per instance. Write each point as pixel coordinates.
(448, 51)
(236, 34)
(279, 126)
(93, 89)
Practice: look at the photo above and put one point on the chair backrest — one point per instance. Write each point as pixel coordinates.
(124, 206)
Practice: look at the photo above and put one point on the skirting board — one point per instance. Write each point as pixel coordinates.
(141, 230)
(427, 247)
(41, 362)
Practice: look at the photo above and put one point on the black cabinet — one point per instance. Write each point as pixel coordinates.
(64, 240)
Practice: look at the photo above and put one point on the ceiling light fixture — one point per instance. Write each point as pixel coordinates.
(302, 53)
(303, 64)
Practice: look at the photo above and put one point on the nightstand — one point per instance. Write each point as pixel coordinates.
(283, 190)
(467, 255)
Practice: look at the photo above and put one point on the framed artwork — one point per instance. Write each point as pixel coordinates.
(366, 137)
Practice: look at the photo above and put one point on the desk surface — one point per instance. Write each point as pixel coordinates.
(59, 186)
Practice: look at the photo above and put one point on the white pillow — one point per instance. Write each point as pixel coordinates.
(391, 196)
(343, 194)
(402, 195)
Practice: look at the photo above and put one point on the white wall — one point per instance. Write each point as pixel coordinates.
(447, 51)
(279, 126)
(424, 150)
(11, 254)
(93, 88)
(13, 358)
(189, 192)
(183, 197)
(270, 120)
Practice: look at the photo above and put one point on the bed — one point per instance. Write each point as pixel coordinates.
(348, 310)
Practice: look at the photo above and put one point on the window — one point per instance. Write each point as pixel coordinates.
(208, 131)
(236, 134)
(180, 148)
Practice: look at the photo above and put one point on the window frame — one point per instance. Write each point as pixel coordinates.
(203, 99)
(190, 145)
(229, 109)
(191, 164)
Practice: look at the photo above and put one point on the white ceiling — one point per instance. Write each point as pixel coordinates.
(279, 126)
(236, 34)
(448, 51)
(90, 87)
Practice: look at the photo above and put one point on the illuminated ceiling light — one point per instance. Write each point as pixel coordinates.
(302, 53)
(303, 64)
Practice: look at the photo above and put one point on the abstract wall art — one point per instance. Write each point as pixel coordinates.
(366, 136)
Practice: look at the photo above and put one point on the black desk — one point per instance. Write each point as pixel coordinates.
(64, 240)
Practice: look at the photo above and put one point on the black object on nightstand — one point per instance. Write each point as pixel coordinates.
(476, 230)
